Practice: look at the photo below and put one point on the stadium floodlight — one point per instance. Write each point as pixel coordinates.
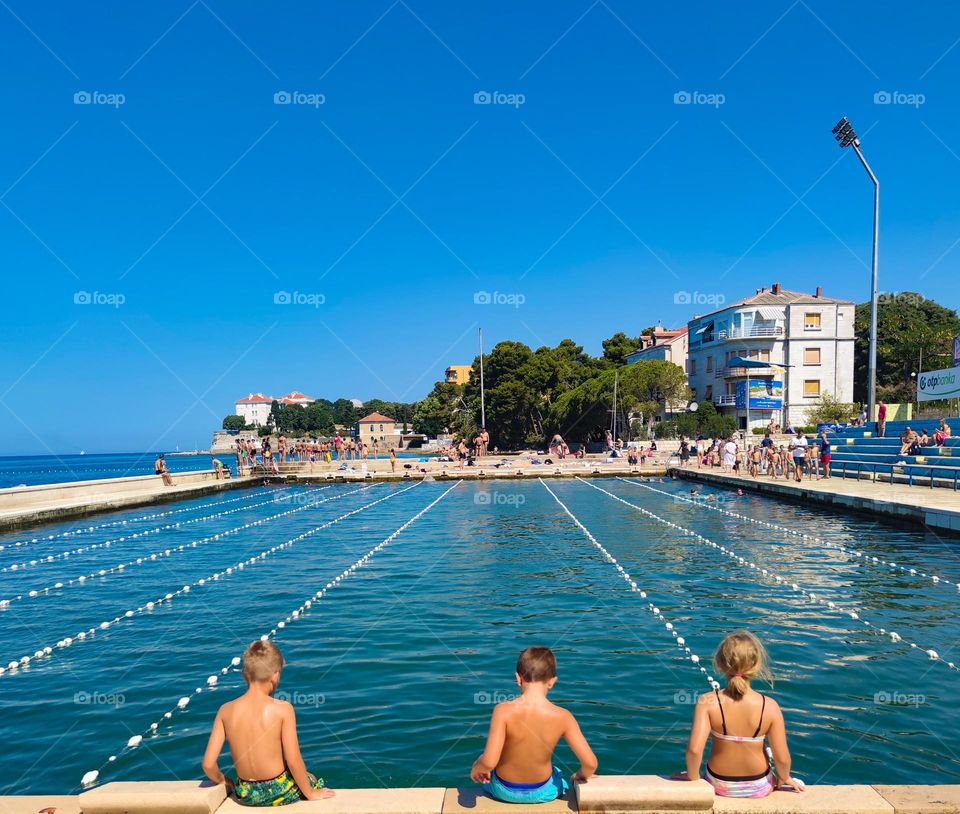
(846, 136)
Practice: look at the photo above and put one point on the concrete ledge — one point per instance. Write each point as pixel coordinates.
(650, 793)
(459, 801)
(361, 801)
(157, 797)
(921, 799)
(31, 805)
(815, 800)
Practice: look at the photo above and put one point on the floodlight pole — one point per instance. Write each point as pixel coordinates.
(872, 359)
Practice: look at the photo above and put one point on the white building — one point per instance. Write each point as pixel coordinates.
(255, 408)
(662, 344)
(805, 339)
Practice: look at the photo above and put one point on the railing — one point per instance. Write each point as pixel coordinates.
(741, 372)
(725, 401)
(741, 333)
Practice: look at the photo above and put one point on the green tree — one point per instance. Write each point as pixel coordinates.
(345, 413)
(909, 327)
(618, 346)
(644, 390)
(234, 423)
(830, 409)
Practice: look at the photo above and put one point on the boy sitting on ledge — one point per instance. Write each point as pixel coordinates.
(262, 733)
(523, 735)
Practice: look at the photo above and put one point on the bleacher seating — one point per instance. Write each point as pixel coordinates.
(859, 453)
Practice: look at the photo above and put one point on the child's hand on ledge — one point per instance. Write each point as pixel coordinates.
(578, 777)
(479, 774)
(320, 794)
(791, 784)
(680, 775)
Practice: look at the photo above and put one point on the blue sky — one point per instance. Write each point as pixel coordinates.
(184, 199)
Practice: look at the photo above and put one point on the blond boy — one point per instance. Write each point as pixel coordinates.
(262, 734)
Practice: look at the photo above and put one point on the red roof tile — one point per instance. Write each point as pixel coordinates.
(377, 418)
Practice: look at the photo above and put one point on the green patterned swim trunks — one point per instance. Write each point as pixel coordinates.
(279, 791)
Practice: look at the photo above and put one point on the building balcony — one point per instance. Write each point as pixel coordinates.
(725, 401)
(752, 333)
(742, 372)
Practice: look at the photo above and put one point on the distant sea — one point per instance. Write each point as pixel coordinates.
(30, 470)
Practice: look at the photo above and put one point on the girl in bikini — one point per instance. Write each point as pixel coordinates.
(739, 719)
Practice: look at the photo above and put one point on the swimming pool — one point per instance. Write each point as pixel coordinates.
(394, 668)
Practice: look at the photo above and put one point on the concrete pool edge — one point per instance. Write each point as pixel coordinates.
(25, 506)
(607, 794)
(940, 510)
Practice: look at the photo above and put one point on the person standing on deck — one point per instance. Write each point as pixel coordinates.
(881, 420)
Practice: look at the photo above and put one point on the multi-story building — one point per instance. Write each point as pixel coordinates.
(255, 408)
(663, 344)
(799, 346)
(457, 374)
(377, 427)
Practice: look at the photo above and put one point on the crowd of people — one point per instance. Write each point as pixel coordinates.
(250, 452)
(802, 455)
(517, 764)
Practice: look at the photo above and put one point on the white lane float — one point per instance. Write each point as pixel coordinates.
(853, 613)
(850, 551)
(263, 555)
(299, 613)
(669, 626)
(48, 558)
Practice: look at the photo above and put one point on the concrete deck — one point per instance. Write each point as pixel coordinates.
(24, 506)
(628, 794)
(935, 508)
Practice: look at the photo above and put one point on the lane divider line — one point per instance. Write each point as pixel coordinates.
(91, 777)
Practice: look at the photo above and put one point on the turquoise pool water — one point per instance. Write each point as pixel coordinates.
(394, 671)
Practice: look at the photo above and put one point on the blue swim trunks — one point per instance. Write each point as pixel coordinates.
(550, 789)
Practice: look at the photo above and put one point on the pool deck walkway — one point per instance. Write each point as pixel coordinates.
(24, 506)
(935, 508)
(609, 794)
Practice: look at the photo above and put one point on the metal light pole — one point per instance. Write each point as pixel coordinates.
(846, 137)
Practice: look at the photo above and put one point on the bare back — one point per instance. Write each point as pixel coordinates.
(254, 729)
(533, 729)
(751, 716)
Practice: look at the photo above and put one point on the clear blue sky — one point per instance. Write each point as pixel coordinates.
(713, 198)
